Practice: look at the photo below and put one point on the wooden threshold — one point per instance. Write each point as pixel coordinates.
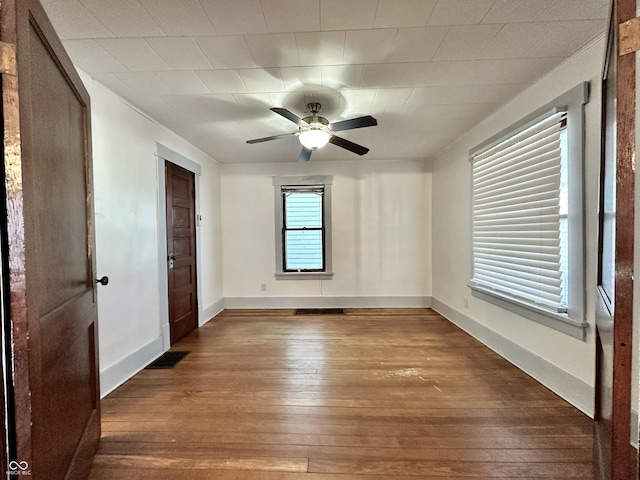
(371, 394)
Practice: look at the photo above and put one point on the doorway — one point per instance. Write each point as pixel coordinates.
(615, 458)
(181, 251)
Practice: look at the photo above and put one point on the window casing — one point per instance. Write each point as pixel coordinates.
(527, 214)
(303, 227)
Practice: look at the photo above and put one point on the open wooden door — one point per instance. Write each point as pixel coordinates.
(606, 262)
(47, 252)
(614, 456)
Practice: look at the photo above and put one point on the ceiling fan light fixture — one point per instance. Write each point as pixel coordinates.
(314, 137)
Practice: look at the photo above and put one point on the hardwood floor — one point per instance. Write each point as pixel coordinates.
(372, 394)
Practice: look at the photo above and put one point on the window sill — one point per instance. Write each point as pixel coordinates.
(303, 275)
(557, 321)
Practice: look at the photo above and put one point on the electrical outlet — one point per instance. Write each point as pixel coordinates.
(263, 287)
(465, 302)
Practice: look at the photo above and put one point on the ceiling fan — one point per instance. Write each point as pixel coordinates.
(315, 131)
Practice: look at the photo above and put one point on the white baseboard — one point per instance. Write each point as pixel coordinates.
(166, 336)
(118, 373)
(328, 302)
(211, 311)
(572, 389)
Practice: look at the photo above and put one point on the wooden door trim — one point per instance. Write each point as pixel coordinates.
(621, 458)
(17, 302)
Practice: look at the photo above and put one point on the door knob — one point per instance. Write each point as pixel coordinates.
(103, 281)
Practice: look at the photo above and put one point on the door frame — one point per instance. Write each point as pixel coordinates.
(613, 458)
(163, 155)
(614, 316)
(621, 458)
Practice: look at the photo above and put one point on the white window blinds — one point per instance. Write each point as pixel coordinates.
(516, 215)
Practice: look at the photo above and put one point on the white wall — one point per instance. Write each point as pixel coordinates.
(126, 173)
(381, 235)
(554, 358)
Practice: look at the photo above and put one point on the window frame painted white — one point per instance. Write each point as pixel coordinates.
(290, 181)
(573, 321)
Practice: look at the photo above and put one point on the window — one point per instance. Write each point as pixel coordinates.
(303, 227)
(527, 210)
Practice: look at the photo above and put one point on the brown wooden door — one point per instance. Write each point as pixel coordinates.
(606, 263)
(614, 457)
(181, 246)
(47, 224)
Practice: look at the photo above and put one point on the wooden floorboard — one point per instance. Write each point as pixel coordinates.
(369, 395)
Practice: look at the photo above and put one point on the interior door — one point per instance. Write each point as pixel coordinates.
(48, 255)
(614, 310)
(606, 262)
(181, 245)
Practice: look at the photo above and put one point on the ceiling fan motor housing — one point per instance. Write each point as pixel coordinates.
(315, 119)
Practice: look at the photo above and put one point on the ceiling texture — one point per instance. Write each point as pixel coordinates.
(427, 70)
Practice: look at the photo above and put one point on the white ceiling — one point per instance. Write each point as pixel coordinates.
(427, 70)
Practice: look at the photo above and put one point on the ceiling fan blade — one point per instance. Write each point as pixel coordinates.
(305, 154)
(290, 116)
(359, 122)
(353, 147)
(273, 137)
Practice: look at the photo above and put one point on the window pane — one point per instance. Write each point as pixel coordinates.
(303, 250)
(564, 211)
(303, 210)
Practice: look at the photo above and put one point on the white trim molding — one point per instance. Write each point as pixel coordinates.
(328, 302)
(118, 373)
(211, 311)
(326, 181)
(163, 155)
